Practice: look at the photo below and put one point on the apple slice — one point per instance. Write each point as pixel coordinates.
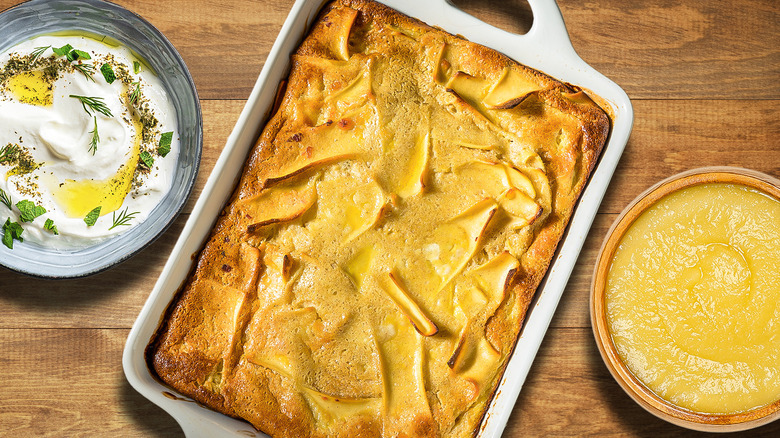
(469, 88)
(356, 92)
(319, 63)
(329, 410)
(485, 287)
(478, 296)
(413, 181)
(580, 97)
(402, 361)
(495, 277)
(517, 179)
(398, 30)
(441, 66)
(523, 210)
(510, 90)
(458, 239)
(318, 146)
(484, 363)
(277, 204)
(488, 177)
(249, 268)
(408, 306)
(502, 175)
(339, 23)
(468, 145)
(277, 363)
(364, 209)
(357, 267)
(277, 270)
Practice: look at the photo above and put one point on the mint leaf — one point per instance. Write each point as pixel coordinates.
(29, 211)
(108, 73)
(136, 67)
(92, 216)
(147, 159)
(76, 54)
(62, 51)
(49, 225)
(165, 143)
(11, 231)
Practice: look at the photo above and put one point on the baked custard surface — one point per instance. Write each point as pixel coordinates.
(371, 273)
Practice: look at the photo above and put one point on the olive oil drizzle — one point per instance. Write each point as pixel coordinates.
(30, 79)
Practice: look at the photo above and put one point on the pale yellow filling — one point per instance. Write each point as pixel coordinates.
(693, 298)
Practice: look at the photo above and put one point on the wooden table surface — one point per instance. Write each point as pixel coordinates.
(704, 78)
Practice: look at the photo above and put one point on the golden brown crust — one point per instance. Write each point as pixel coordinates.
(371, 272)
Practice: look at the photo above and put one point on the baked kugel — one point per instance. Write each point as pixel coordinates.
(372, 270)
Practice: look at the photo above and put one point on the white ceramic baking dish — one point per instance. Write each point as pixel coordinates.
(546, 47)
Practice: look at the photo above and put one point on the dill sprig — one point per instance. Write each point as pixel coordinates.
(86, 69)
(9, 153)
(37, 52)
(123, 219)
(5, 199)
(136, 94)
(93, 144)
(93, 104)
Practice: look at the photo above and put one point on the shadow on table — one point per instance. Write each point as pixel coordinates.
(148, 417)
(72, 295)
(513, 16)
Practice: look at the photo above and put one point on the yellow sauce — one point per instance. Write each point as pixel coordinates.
(77, 198)
(693, 298)
(31, 87)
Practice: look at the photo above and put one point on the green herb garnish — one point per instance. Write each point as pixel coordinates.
(93, 104)
(123, 219)
(29, 211)
(11, 231)
(62, 51)
(49, 225)
(147, 159)
(92, 216)
(86, 69)
(108, 73)
(5, 199)
(136, 94)
(9, 154)
(165, 143)
(136, 67)
(37, 52)
(95, 138)
(78, 54)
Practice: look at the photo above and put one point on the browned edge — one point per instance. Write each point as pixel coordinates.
(630, 384)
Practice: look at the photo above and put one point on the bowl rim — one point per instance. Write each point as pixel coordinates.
(637, 390)
(107, 262)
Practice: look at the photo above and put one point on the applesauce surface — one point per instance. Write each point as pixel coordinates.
(693, 298)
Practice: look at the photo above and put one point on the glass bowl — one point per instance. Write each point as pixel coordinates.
(38, 17)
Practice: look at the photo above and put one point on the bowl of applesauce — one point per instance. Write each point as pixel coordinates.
(685, 299)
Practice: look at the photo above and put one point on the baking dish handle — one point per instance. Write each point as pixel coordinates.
(548, 29)
(548, 25)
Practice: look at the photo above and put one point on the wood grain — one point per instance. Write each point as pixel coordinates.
(699, 49)
(70, 383)
(569, 392)
(703, 77)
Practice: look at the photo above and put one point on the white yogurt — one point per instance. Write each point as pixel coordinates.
(71, 180)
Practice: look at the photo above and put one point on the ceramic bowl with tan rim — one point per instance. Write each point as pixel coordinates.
(685, 299)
